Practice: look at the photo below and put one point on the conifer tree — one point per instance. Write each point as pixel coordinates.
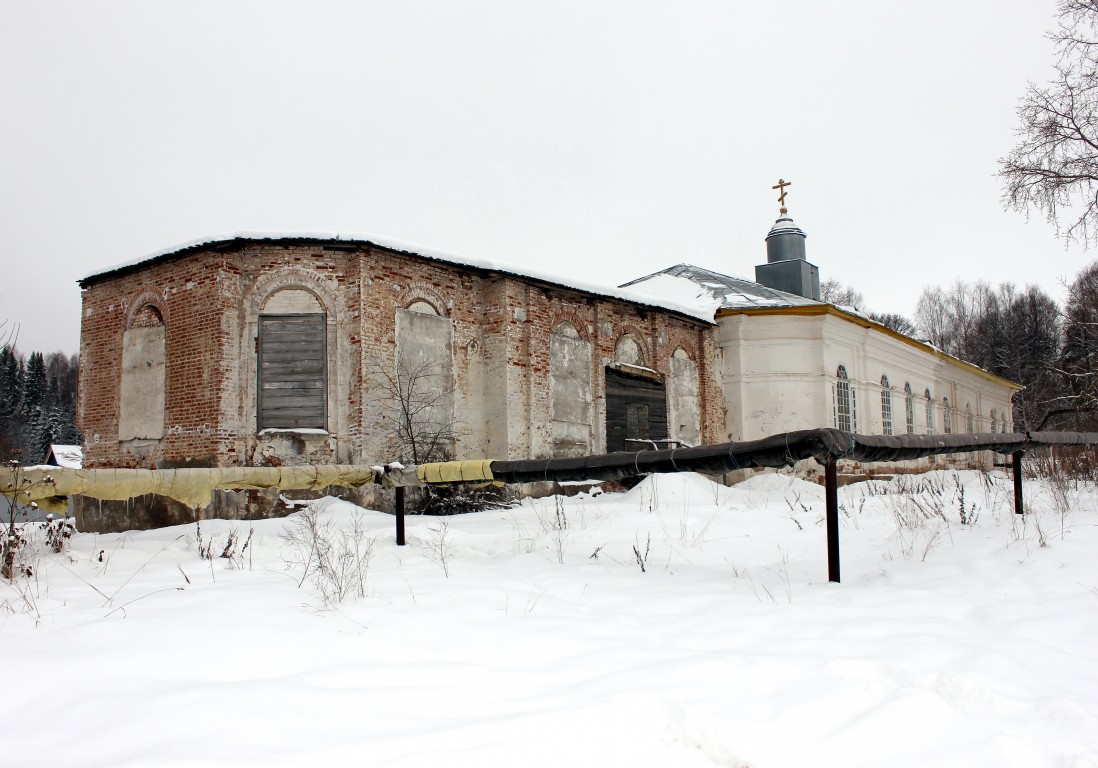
(31, 412)
(11, 395)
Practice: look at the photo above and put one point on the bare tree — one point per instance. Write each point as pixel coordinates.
(1054, 167)
(895, 322)
(1018, 337)
(1080, 353)
(834, 292)
(932, 317)
(1011, 333)
(417, 404)
(947, 317)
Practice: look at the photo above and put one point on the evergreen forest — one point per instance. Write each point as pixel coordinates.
(37, 403)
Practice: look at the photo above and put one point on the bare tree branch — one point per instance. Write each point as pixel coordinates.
(1054, 167)
(416, 402)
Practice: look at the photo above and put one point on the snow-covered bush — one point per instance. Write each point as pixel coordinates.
(335, 557)
(15, 543)
(458, 499)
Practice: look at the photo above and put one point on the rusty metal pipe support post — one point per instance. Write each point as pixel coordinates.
(831, 497)
(1016, 465)
(400, 515)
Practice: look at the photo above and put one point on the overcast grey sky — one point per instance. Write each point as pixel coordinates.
(602, 140)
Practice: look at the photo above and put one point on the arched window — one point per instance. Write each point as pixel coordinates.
(947, 417)
(423, 307)
(629, 350)
(570, 382)
(909, 408)
(424, 384)
(886, 406)
(929, 413)
(292, 362)
(144, 356)
(994, 420)
(968, 418)
(683, 399)
(843, 412)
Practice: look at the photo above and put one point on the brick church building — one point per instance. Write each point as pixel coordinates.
(273, 350)
(254, 350)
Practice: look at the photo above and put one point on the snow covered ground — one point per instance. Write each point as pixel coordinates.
(542, 643)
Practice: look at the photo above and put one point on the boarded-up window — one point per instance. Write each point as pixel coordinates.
(424, 404)
(141, 400)
(683, 402)
(629, 350)
(293, 372)
(636, 409)
(570, 375)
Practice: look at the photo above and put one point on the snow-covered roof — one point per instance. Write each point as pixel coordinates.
(327, 238)
(69, 456)
(707, 290)
(785, 226)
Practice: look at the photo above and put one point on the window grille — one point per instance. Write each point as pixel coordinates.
(842, 400)
(886, 406)
(909, 408)
(853, 408)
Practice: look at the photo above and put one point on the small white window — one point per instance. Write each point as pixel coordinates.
(929, 413)
(947, 419)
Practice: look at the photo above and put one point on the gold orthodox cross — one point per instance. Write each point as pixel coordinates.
(781, 185)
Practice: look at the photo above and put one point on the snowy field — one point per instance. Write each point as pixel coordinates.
(532, 636)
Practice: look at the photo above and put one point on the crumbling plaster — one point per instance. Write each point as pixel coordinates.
(501, 351)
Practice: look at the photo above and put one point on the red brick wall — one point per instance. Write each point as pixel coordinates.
(187, 295)
(209, 300)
